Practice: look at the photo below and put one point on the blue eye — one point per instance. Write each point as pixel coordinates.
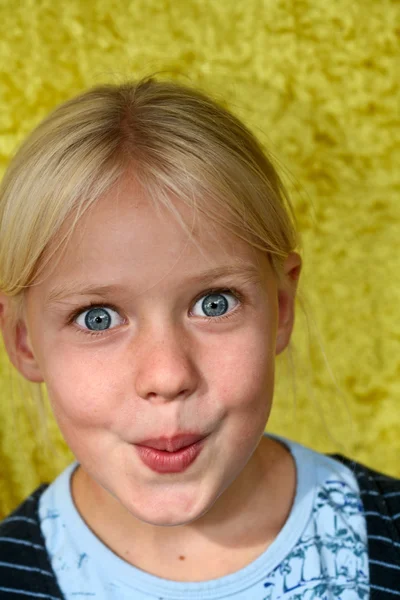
(99, 318)
(215, 304)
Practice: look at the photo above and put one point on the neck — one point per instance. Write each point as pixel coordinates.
(240, 525)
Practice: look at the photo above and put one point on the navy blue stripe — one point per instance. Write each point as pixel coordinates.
(27, 593)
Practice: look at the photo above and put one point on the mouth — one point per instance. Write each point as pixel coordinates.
(170, 455)
(172, 444)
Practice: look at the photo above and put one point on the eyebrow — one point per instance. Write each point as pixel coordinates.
(246, 272)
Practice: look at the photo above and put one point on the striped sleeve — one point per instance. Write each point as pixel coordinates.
(380, 495)
(25, 568)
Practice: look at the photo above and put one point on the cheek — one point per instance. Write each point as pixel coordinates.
(80, 386)
(244, 386)
(244, 373)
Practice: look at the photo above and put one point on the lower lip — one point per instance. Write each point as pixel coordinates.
(162, 461)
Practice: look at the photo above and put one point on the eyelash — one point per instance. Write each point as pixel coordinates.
(233, 291)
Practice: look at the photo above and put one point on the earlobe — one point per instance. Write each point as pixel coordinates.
(26, 361)
(286, 301)
(17, 343)
(2, 310)
(285, 321)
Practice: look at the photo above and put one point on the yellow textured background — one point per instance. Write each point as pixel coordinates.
(317, 81)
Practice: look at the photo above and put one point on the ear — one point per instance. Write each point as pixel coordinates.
(286, 300)
(17, 342)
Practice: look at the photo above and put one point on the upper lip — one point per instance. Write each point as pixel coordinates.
(172, 444)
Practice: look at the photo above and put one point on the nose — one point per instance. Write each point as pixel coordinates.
(165, 367)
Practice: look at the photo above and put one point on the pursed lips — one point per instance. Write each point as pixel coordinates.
(172, 444)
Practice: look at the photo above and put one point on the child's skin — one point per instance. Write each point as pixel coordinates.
(161, 370)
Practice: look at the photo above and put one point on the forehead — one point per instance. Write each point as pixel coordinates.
(127, 232)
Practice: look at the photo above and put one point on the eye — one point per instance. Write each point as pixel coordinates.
(215, 303)
(99, 318)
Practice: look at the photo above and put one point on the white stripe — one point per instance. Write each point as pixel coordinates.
(24, 568)
(383, 539)
(373, 493)
(377, 514)
(26, 519)
(25, 593)
(385, 564)
(23, 542)
(375, 477)
(382, 589)
(383, 477)
(391, 494)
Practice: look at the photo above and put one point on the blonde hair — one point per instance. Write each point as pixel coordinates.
(174, 139)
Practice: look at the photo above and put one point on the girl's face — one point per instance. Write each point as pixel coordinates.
(172, 347)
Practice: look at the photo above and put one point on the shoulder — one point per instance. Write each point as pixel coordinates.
(379, 493)
(380, 497)
(373, 483)
(24, 562)
(23, 520)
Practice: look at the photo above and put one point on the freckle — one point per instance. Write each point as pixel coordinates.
(181, 558)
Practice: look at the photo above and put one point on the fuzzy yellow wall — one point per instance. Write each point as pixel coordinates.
(317, 81)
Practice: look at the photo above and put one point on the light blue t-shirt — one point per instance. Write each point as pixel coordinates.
(319, 554)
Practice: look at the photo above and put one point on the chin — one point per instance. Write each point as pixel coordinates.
(168, 520)
(170, 512)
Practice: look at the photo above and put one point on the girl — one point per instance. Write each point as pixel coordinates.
(148, 275)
